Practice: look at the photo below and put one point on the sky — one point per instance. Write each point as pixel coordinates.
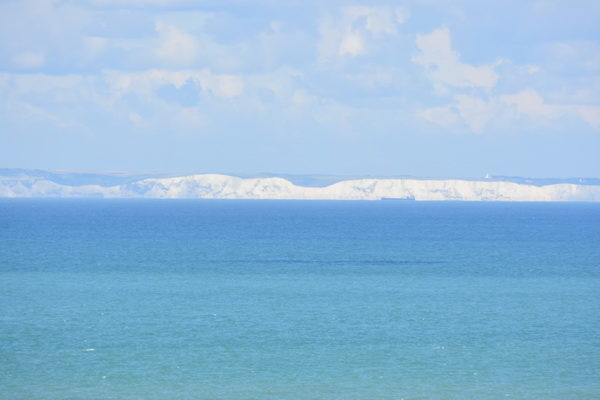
(430, 88)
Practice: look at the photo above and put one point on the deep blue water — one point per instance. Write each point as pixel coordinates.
(142, 299)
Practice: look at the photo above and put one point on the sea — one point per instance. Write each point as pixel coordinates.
(257, 299)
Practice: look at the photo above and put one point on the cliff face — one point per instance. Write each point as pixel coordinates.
(211, 186)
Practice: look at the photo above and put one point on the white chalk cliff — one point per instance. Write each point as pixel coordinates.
(213, 186)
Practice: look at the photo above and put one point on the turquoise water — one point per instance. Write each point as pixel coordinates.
(117, 299)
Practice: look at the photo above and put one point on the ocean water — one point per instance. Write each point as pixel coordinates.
(177, 299)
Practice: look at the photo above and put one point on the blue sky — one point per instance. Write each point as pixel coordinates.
(425, 88)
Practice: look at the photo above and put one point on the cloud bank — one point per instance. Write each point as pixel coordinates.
(299, 75)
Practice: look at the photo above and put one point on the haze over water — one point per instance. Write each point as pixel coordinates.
(143, 299)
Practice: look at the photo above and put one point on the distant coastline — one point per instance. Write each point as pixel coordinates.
(47, 184)
(399, 198)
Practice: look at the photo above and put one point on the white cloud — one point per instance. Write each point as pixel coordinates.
(531, 104)
(444, 116)
(472, 111)
(94, 46)
(374, 77)
(401, 14)
(5, 78)
(24, 84)
(139, 3)
(301, 98)
(146, 82)
(352, 44)
(377, 20)
(33, 114)
(443, 65)
(445, 70)
(29, 60)
(583, 56)
(590, 114)
(175, 47)
(191, 118)
(137, 120)
(224, 85)
(475, 112)
(352, 32)
(119, 96)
